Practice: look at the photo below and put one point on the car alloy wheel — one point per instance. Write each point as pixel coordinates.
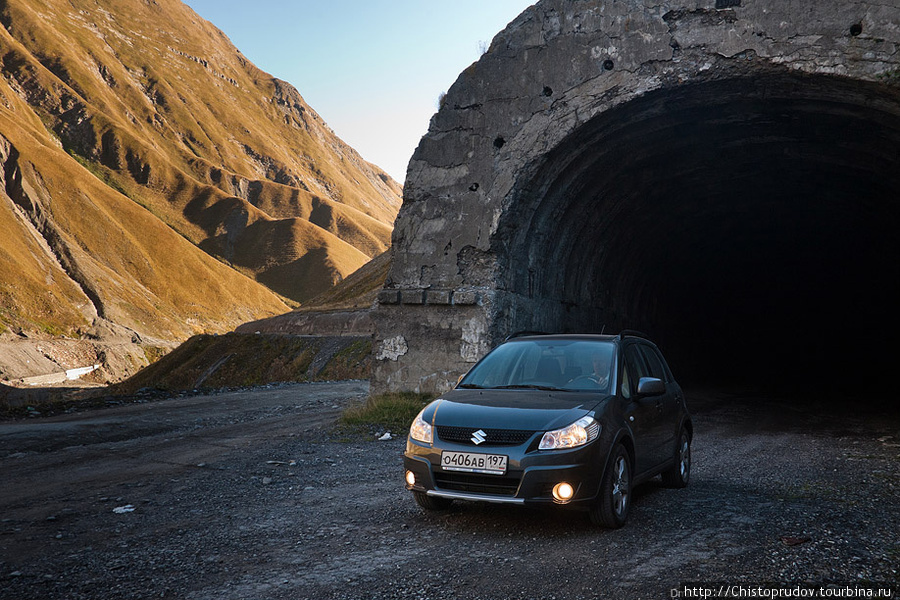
(679, 474)
(614, 501)
(620, 487)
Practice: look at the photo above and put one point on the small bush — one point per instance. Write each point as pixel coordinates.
(393, 411)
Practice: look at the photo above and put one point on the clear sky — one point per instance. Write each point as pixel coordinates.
(373, 69)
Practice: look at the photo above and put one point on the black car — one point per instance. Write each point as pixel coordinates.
(569, 420)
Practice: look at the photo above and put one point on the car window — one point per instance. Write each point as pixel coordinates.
(634, 370)
(507, 363)
(575, 365)
(665, 365)
(654, 362)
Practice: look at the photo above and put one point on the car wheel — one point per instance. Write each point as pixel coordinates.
(430, 502)
(680, 473)
(611, 508)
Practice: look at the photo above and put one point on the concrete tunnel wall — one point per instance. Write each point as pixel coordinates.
(721, 174)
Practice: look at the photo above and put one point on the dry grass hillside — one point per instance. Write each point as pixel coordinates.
(358, 290)
(154, 181)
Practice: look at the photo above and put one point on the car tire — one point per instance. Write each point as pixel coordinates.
(612, 505)
(431, 502)
(679, 474)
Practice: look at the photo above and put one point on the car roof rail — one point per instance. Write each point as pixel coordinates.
(633, 333)
(524, 333)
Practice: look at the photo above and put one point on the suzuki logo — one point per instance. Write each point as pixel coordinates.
(478, 437)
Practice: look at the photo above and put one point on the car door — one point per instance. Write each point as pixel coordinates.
(667, 404)
(642, 414)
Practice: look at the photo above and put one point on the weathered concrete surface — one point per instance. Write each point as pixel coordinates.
(704, 171)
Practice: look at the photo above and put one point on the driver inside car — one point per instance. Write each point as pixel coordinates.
(600, 366)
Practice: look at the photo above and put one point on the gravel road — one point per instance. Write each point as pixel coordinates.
(255, 494)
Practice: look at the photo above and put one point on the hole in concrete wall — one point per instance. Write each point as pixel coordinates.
(498, 142)
(548, 91)
(856, 29)
(473, 187)
(608, 65)
(747, 225)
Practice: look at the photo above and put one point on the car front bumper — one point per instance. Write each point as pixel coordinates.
(530, 476)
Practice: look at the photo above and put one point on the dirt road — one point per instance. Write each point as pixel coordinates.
(255, 495)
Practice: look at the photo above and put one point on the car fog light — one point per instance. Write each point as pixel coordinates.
(410, 478)
(563, 492)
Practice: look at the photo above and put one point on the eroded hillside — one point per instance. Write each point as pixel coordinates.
(154, 181)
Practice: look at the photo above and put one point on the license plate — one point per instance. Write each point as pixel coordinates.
(472, 462)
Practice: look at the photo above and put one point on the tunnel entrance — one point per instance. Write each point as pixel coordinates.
(748, 225)
(722, 176)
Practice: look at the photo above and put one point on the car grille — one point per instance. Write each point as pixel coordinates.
(506, 485)
(493, 437)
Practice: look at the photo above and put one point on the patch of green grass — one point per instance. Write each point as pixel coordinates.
(393, 411)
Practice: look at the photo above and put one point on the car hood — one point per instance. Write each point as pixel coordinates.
(532, 410)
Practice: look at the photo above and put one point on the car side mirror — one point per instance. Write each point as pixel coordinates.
(650, 386)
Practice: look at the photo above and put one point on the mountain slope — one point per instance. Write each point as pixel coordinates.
(74, 250)
(150, 174)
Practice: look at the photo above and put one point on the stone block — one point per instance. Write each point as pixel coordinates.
(437, 297)
(389, 297)
(412, 296)
(465, 297)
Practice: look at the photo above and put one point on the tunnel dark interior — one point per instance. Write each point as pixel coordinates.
(748, 225)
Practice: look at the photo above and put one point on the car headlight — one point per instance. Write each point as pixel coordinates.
(420, 430)
(579, 433)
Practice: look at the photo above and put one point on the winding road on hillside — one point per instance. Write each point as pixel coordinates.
(256, 494)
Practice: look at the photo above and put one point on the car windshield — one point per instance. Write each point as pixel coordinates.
(570, 365)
